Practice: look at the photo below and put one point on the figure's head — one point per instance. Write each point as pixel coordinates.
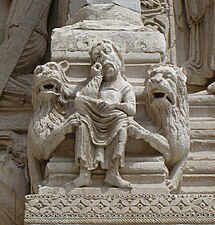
(110, 57)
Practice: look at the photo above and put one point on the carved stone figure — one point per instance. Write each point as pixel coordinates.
(168, 107)
(49, 123)
(30, 48)
(154, 14)
(106, 105)
(105, 108)
(23, 44)
(13, 175)
(200, 66)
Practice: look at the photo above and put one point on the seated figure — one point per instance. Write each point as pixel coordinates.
(106, 105)
(103, 120)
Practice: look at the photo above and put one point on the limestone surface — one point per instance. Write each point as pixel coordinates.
(90, 166)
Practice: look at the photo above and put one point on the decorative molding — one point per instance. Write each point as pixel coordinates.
(120, 209)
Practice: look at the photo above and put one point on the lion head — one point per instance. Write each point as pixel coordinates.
(50, 91)
(167, 102)
(167, 105)
(50, 82)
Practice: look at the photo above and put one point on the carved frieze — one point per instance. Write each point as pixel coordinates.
(123, 209)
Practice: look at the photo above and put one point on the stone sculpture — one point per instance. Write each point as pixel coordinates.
(106, 105)
(145, 32)
(200, 66)
(49, 123)
(13, 176)
(30, 38)
(167, 105)
(24, 39)
(103, 120)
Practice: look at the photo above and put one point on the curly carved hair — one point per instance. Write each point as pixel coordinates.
(98, 46)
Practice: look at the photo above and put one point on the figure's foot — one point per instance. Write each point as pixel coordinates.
(115, 180)
(83, 180)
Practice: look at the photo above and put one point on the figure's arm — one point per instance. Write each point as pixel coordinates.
(128, 104)
(91, 89)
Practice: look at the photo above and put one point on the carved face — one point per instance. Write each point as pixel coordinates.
(161, 86)
(108, 58)
(49, 82)
(167, 102)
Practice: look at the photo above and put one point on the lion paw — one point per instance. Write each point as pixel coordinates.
(211, 89)
(172, 185)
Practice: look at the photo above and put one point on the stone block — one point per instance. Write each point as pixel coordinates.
(131, 4)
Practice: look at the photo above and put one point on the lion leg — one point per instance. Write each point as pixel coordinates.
(158, 142)
(176, 176)
(35, 173)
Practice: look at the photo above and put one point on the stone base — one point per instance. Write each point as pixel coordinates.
(105, 190)
(147, 175)
(119, 209)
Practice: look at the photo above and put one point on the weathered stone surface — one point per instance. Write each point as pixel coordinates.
(115, 209)
(196, 20)
(134, 5)
(173, 145)
(108, 14)
(23, 41)
(13, 184)
(26, 31)
(81, 40)
(4, 8)
(168, 31)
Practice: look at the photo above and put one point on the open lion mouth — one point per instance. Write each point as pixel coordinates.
(49, 87)
(161, 95)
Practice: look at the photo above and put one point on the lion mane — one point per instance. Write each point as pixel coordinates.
(167, 106)
(49, 98)
(49, 123)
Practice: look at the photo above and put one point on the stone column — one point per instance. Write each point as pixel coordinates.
(75, 5)
(134, 5)
(124, 10)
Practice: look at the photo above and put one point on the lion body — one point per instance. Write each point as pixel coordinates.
(49, 124)
(168, 106)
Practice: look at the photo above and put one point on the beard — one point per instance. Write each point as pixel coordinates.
(110, 71)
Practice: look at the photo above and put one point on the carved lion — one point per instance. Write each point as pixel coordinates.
(167, 105)
(49, 123)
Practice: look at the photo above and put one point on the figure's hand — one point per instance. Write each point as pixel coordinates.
(96, 70)
(104, 106)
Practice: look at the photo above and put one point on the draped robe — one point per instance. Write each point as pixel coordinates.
(99, 136)
(200, 66)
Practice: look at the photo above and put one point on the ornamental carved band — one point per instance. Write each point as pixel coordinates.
(124, 209)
